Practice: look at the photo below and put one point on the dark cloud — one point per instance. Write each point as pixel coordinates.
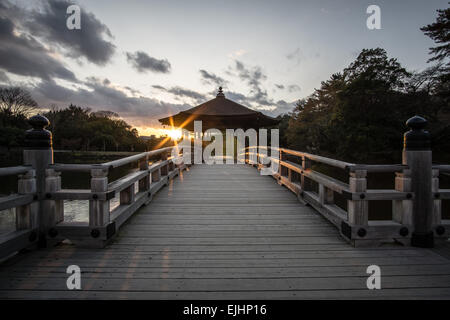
(211, 78)
(22, 54)
(140, 111)
(258, 98)
(237, 97)
(254, 77)
(180, 92)
(142, 62)
(91, 41)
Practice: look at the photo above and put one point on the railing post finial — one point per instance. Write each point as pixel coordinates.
(38, 137)
(417, 138)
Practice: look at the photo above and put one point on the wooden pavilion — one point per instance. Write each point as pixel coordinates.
(220, 113)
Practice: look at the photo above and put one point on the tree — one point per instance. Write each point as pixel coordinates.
(374, 65)
(16, 101)
(358, 114)
(439, 31)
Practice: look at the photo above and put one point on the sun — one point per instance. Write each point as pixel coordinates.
(174, 134)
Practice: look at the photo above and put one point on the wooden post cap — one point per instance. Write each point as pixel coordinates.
(38, 137)
(417, 138)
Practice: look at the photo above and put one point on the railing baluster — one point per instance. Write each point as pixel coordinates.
(26, 215)
(156, 175)
(437, 202)
(326, 195)
(127, 195)
(358, 210)
(306, 164)
(402, 209)
(99, 209)
(164, 169)
(55, 208)
(144, 183)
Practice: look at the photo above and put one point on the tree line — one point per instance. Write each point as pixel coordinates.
(73, 127)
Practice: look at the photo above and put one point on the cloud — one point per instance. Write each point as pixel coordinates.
(297, 56)
(3, 77)
(258, 98)
(293, 88)
(254, 77)
(95, 94)
(180, 92)
(211, 78)
(142, 62)
(22, 54)
(90, 41)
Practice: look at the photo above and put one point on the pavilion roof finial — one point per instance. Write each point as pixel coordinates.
(220, 93)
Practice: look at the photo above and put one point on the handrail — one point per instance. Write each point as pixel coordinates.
(10, 171)
(137, 157)
(348, 166)
(442, 167)
(75, 167)
(354, 223)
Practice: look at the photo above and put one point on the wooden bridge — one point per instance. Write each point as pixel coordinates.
(223, 231)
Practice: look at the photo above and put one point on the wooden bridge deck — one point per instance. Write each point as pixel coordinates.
(224, 232)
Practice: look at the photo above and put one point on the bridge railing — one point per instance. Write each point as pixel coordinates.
(416, 198)
(24, 203)
(155, 169)
(39, 202)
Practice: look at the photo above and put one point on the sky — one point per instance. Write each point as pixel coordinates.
(146, 60)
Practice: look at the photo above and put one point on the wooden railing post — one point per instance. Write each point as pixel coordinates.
(26, 216)
(306, 164)
(326, 195)
(39, 154)
(156, 175)
(437, 202)
(417, 155)
(99, 209)
(55, 208)
(144, 183)
(164, 169)
(281, 169)
(358, 210)
(402, 209)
